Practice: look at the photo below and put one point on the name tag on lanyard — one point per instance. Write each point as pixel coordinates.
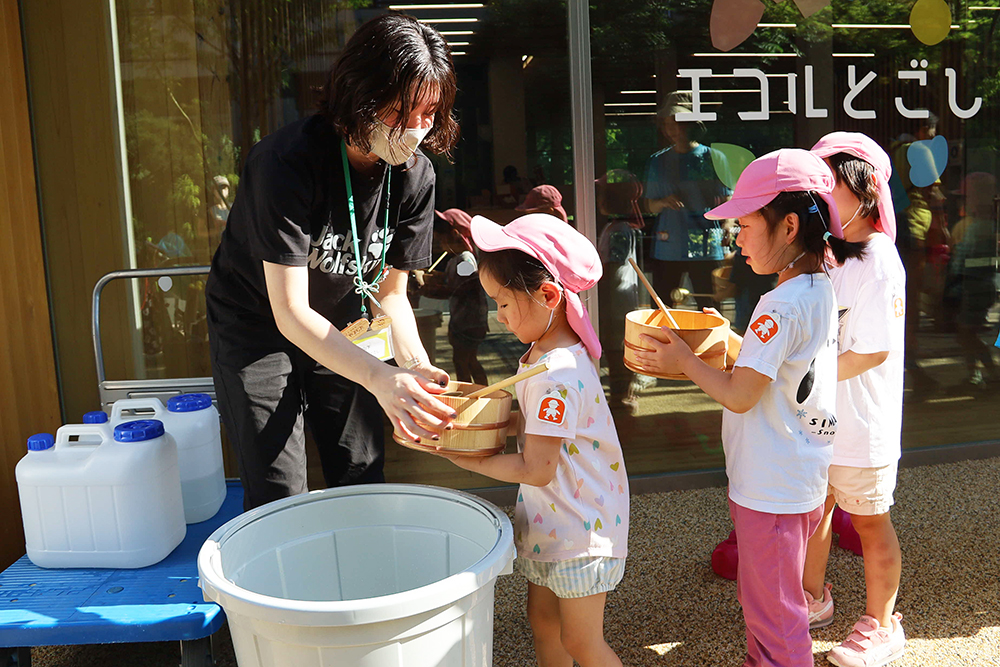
(373, 337)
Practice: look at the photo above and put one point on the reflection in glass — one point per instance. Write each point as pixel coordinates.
(665, 77)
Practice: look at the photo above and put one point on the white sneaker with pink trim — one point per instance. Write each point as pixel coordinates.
(820, 611)
(870, 644)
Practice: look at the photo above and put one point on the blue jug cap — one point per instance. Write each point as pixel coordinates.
(95, 417)
(40, 442)
(189, 402)
(139, 430)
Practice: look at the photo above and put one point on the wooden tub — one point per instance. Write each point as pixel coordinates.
(480, 428)
(706, 334)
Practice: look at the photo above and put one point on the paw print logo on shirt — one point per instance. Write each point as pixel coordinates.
(765, 327)
(552, 410)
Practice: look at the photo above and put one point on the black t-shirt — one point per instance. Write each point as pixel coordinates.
(291, 209)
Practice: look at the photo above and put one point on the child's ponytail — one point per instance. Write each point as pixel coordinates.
(844, 250)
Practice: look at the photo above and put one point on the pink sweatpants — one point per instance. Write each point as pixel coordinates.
(772, 554)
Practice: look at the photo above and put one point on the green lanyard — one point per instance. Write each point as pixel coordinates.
(365, 289)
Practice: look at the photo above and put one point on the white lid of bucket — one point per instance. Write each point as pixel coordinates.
(219, 587)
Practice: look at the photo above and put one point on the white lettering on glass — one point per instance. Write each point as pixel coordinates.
(696, 114)
(855, 90)
(953, 97)
(811, 110)
(765, 100)
(916, 75)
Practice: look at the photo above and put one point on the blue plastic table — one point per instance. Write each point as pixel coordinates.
(162, 602)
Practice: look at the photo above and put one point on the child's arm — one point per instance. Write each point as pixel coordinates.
(738, 391)
(851, 364)
(535, 466)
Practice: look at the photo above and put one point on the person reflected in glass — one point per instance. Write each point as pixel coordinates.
(332, 213)
(514, 188)
(544, 199)
(538, 176)
(971, 289)
(459, 284)
(921, 240)
(618, 194)
(221, 204)
(681, 185)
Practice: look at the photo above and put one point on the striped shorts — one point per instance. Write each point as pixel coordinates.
(576, 577)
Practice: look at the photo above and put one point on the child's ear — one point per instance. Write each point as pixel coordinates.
(551, 294)
(791, 227)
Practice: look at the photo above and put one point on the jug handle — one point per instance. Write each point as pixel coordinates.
(64, 432)
(132, 403)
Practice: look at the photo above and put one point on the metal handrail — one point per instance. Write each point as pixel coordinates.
(128, 273)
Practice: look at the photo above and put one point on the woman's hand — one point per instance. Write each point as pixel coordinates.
(431, 373)
(408, 400)
(668, 353)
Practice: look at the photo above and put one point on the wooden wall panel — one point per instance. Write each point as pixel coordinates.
(67, 51)
(29, 399)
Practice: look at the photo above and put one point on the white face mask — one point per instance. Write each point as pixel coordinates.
(395, 150)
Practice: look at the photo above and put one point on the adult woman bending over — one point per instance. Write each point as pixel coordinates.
(315, 196)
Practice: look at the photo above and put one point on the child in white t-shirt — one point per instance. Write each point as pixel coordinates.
(571, 516)
(778, 420)
(871, 296)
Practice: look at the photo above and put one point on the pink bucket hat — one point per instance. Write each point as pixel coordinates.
(568, 255)
(864, 148)
(784, 170)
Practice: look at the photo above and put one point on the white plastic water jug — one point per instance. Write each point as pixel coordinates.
(91, 501)
(193, 423)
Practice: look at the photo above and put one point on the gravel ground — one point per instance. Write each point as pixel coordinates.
(672, 610)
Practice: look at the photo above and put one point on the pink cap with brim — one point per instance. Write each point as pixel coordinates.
(784, 170)
(566, 253)
(864, 148)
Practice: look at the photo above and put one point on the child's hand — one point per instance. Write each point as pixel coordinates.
(667, 356)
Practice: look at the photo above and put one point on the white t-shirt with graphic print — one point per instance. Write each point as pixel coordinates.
(583, 511)
(778, 453)
(871, 295)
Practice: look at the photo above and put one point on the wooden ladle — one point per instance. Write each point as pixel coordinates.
(502, 384)
(652, 293)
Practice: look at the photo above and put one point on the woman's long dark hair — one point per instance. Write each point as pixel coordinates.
(813, 215)
(393, 59)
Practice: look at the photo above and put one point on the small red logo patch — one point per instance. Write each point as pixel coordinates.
(765, 328)
(552, 410)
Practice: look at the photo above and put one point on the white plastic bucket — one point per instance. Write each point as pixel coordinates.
(193, 423)
(90, 500)
(386, 575)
